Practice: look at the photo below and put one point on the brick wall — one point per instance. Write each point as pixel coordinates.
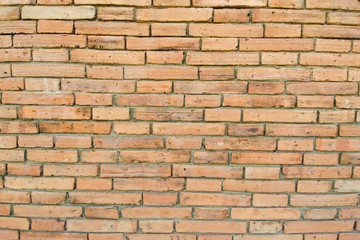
(179, 119)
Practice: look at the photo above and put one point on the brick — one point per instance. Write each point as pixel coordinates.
(48, 70)
(128, 142)
(265, 214)
(70, 170)
(269, 237)
(348, 236)
(54, 2)
(137, 171)
(6, 41)
(11, 84)
(317, 172)
(18, 127)
(222, 115)
(12, 155)
(174, 15)
(156, 212)
(349, 158)
(336, 116)
(63, 12)
(160, 199)
(239, 144)
(313, 226)
(160, 236)
(295, 145)
(47, 211)
(160, 72)
(218, 73)
(279, 58)
(213, 87)
(231, 3)
(102, 212)
(9, 196)
(330, 45)
(155, 156)
(45, 84)
(286, 4)
(48, 197)
(10, 27)
(207, 185)
(321, 88)
(320, 159)
(55, 236)
(320, 213)
(222, 58)
(24, 169)
(150, 100)
(262, 173)
(199, 171)
(50, 40)
(104, 198)
(210, 226)
(50, 55)
(315, 186)
(102, 86)
(214, 213)
(14, 223)
(225, 30)
(110, 114)
(9, 234)
(266, 88)
(106, 42)
(343, 145)
(54, 113)
(265, 227)
(67, 156)
(219, 44)
(112, 28)
(211, 157)
(75, 127)
(109, 236)
(282, 30)
(245, 130)
(329, 200)
(37, 98)
(347, 102)
(346, 186)
(131, 128)
(202, 101)
(301, 130)
(298, 116)
(164, 57)
(270, 200)
(348, 213)
(315, 101)
(39, 183)
(55, 26)
(258, 101)
(9, 13)
(93, 184)
(175, 3)
(104, 72)
(8, 142)
(47, 225)
(356, 46)
(93, 99)
(115, 13)
(167, 114)
(143, 184)
(293, 16)
(140, 3)
(231, 15)
(329, 74)
(12, 55)
(330, 31)
(349, 130)
(101, 225)
(103, 56)
(5, 70)
(258, 186)
(163, 43)
(349, 5)
(268, 73)
(168, 29)
(156, 226)
(188, 128)
(265, 44)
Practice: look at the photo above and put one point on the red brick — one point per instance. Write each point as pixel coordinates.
(75, 127)
(11, 84)
(329, 200)
(143, 184)
(293, 16)
(156, 212)
(342, 145)
(199, 171)
(128, 142)
(258, 186)
(104, 198)
(112, 28)
(101, 225)
(265, 213)
(102, 212)
(321, 226)
(225, 30)
(245, 129)
(239, 144)
(155, 156)
(174, 15)
(210, 226)
(136, 171)
(106, 42)
(321, 159)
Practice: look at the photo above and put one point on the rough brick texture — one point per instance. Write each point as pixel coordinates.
(179, 119)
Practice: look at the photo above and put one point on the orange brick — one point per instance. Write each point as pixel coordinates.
(104, 56)
(258, 186)
(286, 4)
(40, 183)
(47, 225)
(48, 197)
(70, 170)
(263, 44)
(321, 226)
(320, 213)
(295, 145)
(155, 156)
(322, 88)
(104, 72)
(188, 128)
(131, 128)
(168, 114)
(175, 3)
(199, 171)
(48, 70)
(93, 184)
(15, 55)
(11, 84)
(104, 198)
(49, 40)
(18, 127)
(281, 58)
(270, 200)
(343, 145)
(207, 185)
(128, 142)
(211, 157)
(265, 213)
(317, 172)
(47, 211)
(9, 13)
(143, 184)
(330, 31)
(150, 226)
(219, 44)
(5, 210)
(210, 226)
(110, 114)
(282, 30)
(161, 72)
(268, 73)
(339, 116)
(112, 28)
(225, 30)
(50, 55)
(265, 227)
(67, 113)
(315, 101)
(108, 236)
(150, 100)
(239, 144)
(293, 16)
(160, 199)
(229, 3)
(202, 101)
(10, 27)
(262, 172)
(45, 84)
(321, 159)
(91, 99)
(106, 42)
(221, 58)
(52, 235)
(298, 116)
(174, 15)
(69, 156)
(164, 57)
(266, 88)
(329, 200)
(222, 115)
(156, 212)
(258, 101)
(115, 13)
(245, 130)
(329, 74)
(270, 237)
(348, 236)
(218, 73)
(140, 3)
(349, 158)
(314, 186)
(8, 142)
(55, 26)
(301, 130)
(162, 43)
(231, 15)
(24, 169)
(168, 29)
(8, 112)
(349, 5)
(213, 87)
(325, 45)
(14, 223)
(138, 171)
(37, 98)
(102, 212)
(101, 225)
(75, 127)
(347, 102)
(346, 185)
(9, 196)
(102, 86)
(213, 213)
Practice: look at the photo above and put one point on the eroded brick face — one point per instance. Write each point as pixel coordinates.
(179, 119)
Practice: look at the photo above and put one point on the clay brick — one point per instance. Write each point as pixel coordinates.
(286, 4)
(225, 30)
(250, 101)
(55, 26)
(106, 42)
(143, 184)
(188, 128)
(155, 156)
(63, 12)
(265, 227)
(48, 70)
(281, 58)
(101, 225)
(93, 184)
(103, 56)
(70, 170)
(156, 212)
(229, 3)
(54, 235)
(15, 55)
(213, 87)
(262, 173)
(75, 127)
(258, 186)
(160, 199)
(91, 99)
(104, 198)
(322, 88)
(128, 142)
(317, 172)
(346, 186)
(10, 27)
(282, 30)
(266, 88)
(222, 58)
(50, 55)
(115, 13)
(150, 100)
(218, 73)
(40, 183)
(104, 72)
(102, 212)
(11, 84)
(37, 98)
(207, 171)
(313, 226)
(321, 159)
(174, 3)
(222, 115)
(42, 84)
(298, 116)
(293, 16)
(18, 127)
(330, 31)
(211, 157)
(139, 3)
(329, 200)
(9, 13)
(50, 40)
(202, 101)
(347, 102)
(102, 86)
(24, 169)
(168, 29)
(137, 171)
(207, 185)
(112, 28)
(174, 15)
(331, 45)
(213, 213)
(9, 196)
(295, 144)
(47, 211)
(320, 213)
(149, 226)
(315, 186)
(270, 237)
(329, 74)
(164, 57)
(265, 44)
(210, 226)
(231, 15)
(301, 130)
(270, 200)
(47, 225)
(8, 142)
(245, 130)
(161, 72)
(268, 73)
(14, 223)
(239, 144)
(265, 214)
(349, 5)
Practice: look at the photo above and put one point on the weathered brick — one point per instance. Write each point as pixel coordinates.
(137, 171)
(63, 12)
(225, 30)
(207, 171)
(106, 42)
(328, 200)
(258, 186)
(101, 225)
(313, 226)
(49, 40)
(104, 198)
(293, 16)
(265, 214)
(112, 28)
(231, 15)
(222, 58)
(115, 13)
(330, 31)
(229, 3)
(210, 226)
(39, 183)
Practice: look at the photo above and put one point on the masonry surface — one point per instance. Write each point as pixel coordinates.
(179, 119)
